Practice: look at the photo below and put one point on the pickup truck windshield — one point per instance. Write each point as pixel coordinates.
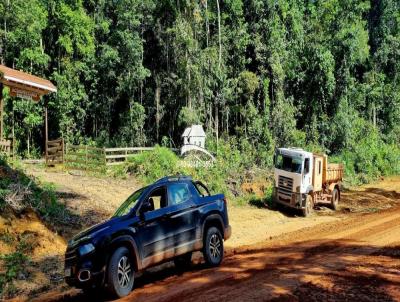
(290, 164)
(127, 206)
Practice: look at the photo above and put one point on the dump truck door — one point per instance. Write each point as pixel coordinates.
(317, 174)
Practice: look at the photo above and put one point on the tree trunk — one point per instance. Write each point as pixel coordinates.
(219, 36)
(216, 126)
(1, 113)
(46, 130)
(374, 114)
(29, 146)
(3, 47)
(131, 121)
(157, 103)
(189, 92)
(207, 24)
(227, 120)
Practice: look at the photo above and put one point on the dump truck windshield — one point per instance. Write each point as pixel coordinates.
(287, 163)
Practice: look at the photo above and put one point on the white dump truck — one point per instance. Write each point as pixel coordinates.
(303, 179)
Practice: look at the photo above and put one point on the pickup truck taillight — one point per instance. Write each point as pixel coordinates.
(225, 200)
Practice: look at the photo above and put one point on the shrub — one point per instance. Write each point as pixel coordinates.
(14, 265)
(370, 158)
(233, 159)
(150, 166)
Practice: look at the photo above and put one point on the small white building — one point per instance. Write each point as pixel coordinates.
(194, 135)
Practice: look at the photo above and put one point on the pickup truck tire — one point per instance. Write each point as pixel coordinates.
(120, 273)
(183, 262)
(213, 250)
(309, 208)
(335, 199)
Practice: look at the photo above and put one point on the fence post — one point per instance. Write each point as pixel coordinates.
(105, 156)
(86, 157)
(46, 155)
(62, 150)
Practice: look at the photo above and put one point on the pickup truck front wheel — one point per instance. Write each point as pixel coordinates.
(213, 247)
(120, 273)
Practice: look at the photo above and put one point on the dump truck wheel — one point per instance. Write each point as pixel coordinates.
(309, 209)
(274, 205)
(335, 199)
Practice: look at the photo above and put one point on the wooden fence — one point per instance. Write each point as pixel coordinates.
(116, 156)
(55, 152)
(6, 147)
(85, 158)
(88, 158)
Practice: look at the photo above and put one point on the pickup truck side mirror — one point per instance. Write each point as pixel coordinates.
(147, 206)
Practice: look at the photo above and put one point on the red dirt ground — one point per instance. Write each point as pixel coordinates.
(357, 258)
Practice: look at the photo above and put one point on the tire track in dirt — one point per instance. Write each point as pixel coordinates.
(280, 271)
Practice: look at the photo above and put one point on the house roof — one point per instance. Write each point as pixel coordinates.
(194, 130)
(24, 81)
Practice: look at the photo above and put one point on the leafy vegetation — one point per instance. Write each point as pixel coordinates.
(127, 70)
(225, 175)
(13, 266)
(19, 192)
(258, 73)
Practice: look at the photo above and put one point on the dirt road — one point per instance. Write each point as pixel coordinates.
(350, 254)
(355, 259)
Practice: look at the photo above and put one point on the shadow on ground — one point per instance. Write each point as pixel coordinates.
(308, 271)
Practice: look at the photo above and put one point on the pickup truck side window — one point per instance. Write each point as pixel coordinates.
(201, 189)
(157, 199)
(178, 193)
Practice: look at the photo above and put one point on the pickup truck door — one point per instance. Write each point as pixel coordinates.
(154, 230)
(182, 216)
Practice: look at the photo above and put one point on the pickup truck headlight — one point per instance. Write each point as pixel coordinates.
(86, 249)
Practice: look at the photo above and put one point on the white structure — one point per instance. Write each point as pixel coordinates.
(194, 135)
(194, 140)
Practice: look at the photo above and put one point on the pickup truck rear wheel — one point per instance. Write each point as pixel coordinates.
(213, 247)
(183, 262)
(335, 199)
(120, 273)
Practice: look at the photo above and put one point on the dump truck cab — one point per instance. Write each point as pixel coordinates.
(292, 176)
(301, 179)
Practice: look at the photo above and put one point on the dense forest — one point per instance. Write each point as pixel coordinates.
(320, 73)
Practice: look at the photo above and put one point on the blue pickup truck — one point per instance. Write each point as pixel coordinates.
(167, 220)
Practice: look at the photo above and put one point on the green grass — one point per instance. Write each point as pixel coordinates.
(14, 265)
(7, 237)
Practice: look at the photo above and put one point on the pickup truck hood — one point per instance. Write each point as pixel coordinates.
(92, 231)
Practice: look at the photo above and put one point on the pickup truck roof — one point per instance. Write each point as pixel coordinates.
(174, 178)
